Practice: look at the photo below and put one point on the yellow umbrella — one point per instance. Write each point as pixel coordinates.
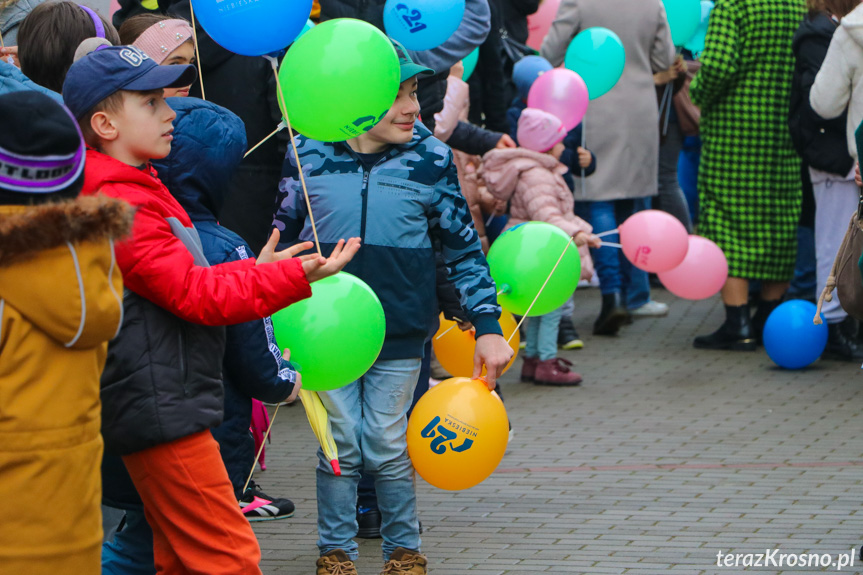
(317, 414)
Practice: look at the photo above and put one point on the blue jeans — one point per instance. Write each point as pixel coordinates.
(541, 337)
(369, 421)
(616, 274)
(131, 550)
(804, 284)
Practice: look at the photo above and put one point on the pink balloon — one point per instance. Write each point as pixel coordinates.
(560, 92)
(702, 273)
(539, 23)
(653, 241)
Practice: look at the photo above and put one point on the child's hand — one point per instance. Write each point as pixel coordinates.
(457, 70)
(494, 353)
(318, 267)
(297, 384)
(269, 253)
(505, 142)
(584, 157)
(9, 54)
(591, 240)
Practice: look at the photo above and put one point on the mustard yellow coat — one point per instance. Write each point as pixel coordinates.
(60, 303)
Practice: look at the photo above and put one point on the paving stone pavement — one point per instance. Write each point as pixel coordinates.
(665, 456)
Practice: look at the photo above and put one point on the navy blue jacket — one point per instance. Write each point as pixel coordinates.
(571, 143)
(209, 142)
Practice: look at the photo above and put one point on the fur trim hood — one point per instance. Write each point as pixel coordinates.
(27, 230)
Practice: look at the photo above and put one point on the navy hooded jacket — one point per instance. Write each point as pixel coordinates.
(209, 143)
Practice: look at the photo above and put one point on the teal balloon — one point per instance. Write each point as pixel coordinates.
(597, 55)
(684, 17)
(469, 63)
(336, 335)
(696, 43)
(522, 258)
(309, 25)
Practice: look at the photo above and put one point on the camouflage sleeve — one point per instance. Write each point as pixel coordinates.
(451, 225)
(291, 210)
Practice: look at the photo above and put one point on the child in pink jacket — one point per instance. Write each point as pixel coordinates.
(530, 178)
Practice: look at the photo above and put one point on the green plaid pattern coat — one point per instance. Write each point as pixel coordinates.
(749, 181)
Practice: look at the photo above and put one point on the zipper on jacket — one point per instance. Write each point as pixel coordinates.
(365, 196)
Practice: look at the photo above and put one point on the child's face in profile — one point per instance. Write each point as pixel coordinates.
(182, 56)
(144, 128)
(397, 127)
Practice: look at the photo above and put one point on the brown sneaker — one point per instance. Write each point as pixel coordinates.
(407, 562)
(556, 372)
(336, 562)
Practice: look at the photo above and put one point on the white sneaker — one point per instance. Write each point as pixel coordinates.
(650, 309)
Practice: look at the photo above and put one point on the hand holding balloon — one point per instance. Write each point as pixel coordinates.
(590, 240)
(318, 267)
(493, 352)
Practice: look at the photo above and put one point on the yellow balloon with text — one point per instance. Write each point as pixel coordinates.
(454, 348)
(457, 434)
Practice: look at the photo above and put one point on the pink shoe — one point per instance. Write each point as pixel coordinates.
(528, 369)
(555, 372)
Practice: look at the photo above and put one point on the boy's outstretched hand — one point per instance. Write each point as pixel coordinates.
(318, 267)
(269, 253)
(494, 353)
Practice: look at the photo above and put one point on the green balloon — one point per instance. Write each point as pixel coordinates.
(684, 17)
(597, 55)
(339, 79)
(522, 258)
(336, 335)
(469, 63)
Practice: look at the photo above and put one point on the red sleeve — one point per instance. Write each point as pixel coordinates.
(157, 266)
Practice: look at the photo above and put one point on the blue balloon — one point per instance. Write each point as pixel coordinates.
(790, 338)
(253, 28)
(422, 24)
(597, 55)
(696, 43)
(469, 63)
(526, 71)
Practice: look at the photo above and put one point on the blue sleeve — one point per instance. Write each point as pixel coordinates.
(253, 359)
(291, 209)
(569, 157)
(451, 225)
(472, 32)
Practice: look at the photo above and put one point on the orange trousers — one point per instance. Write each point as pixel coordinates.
(189, 502)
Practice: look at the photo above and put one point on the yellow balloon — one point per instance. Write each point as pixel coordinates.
(457, 434)
(454, 348)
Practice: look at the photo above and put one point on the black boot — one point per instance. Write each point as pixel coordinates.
(735, 334)
(842, 343)
(759, 318)
(612, 315)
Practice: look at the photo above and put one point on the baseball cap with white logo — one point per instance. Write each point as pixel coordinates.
(111, 69)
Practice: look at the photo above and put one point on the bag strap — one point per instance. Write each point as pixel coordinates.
(827, 292)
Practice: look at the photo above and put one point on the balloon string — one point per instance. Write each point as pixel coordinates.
(583, 145)
(446, 332)
(197, 53)
(284, 109)
(278, 129)
(530, 307)
(608, 233)
(611, 245)
(261, 450)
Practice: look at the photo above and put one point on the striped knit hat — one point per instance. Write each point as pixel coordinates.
(41, 148)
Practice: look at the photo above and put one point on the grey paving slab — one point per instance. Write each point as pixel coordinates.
(665, 456)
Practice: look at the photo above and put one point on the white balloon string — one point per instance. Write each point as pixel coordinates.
(608, 233)
(611, 245)
(284, 110)
(545, 283)
(278, 129)
(261, 450)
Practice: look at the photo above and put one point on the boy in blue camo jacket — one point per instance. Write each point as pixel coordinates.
(395, 186)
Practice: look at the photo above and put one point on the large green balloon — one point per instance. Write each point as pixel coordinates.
(523, 257)
(684, 17)
(336, 335)
(339, 79)
(597, 55)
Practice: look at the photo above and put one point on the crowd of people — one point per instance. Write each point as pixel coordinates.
(142, 250)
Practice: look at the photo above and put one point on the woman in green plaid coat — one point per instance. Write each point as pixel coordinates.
(749, 180)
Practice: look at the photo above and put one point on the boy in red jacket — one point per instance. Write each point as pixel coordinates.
(161, 389)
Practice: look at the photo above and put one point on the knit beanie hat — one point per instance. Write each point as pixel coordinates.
(539, 131)
(42, 152)
(162, 38)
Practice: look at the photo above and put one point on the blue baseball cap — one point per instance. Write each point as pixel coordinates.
(111, 69)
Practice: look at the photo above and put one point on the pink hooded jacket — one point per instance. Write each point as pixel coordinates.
(533, 184)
